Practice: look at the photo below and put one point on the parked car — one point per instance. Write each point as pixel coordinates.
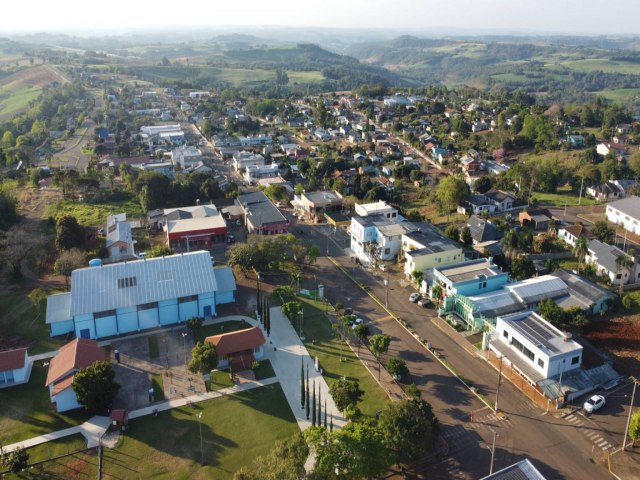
(231, 238)
(348, 310)
(594, 403)
(414, 297)
(424, 302)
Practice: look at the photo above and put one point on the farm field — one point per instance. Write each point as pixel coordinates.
(23, 86)
(596, 65)
(93, 214)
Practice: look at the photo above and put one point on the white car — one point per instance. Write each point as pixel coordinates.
(594, 403)
(414, 297)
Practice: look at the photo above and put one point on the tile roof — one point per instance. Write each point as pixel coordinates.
(238, 341)
(575, 230)
(12, 359)
(80, 353)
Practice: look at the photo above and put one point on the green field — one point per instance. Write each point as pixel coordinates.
(620, 94)
(27, 410)
(15, 97)
(597, 64)
(93, 214)
(236, 429)
(331, 351)
(560, 199)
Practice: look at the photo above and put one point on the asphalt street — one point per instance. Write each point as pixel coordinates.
(558, 447)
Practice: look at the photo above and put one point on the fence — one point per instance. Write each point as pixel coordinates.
(523, 384)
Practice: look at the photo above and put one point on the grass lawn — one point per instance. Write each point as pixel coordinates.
(264, 370)
(236, 429)
(157, 382)
(219, 380)
(330, 350)
(56, 448)
(93, 214)
(28, 412)
(560, 198)
(154, 349)
(218, 328)
(18, 319)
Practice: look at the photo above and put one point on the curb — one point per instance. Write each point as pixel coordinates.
(417, 337)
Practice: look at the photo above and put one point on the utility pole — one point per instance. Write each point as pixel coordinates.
(498, 389)
(493, 451)
(581, 184)
(626, 430)
(386, 299)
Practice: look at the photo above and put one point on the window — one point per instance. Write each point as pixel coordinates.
(541, 363)
(127, 282)
(387, 251)
(190, 298)
(505, 334)
(575, 360)
(619, 276)
(148, 306)
(105, 313)
(527, 353)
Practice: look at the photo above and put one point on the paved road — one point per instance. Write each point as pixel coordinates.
(557, 447)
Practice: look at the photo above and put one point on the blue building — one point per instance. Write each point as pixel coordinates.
(470, 278)
(109, 300)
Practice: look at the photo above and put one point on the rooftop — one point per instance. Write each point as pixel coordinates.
(431, 242)
(605, 254)
(541, 333)
(199, 217)
(323, 198)
(58, 308)
(523, 470)
(238, 341)
(461, 272)
(80, 353)
(533, 290)
(12, 359)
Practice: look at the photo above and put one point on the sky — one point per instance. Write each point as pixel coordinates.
(442, 17)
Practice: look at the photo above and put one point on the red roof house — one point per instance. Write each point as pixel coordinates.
(240, 348)
(14, 367)
(80, 353)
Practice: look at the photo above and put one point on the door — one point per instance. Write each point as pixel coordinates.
(85, 333)
(207, 310)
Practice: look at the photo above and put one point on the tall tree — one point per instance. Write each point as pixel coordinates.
(67, 262)
(623, 264)
(379, 345)
(307, 402)
(313, 406)
(345, 393)
(603, 231)
(16, 245)
(95, 386)
(69, 233)
(204, 358)
(580, 250)
(451, 191)
(302, 398)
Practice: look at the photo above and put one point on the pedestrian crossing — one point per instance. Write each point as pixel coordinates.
(451, 467)
(593, 436)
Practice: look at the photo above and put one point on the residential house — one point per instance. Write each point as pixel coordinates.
(571, 234)
(238, 349)
(617, 149)
(377, 237)
(589, 296)
(426, 248)
(253, 173)
(72, 357)
(198, 227)
(120, 243)
(605, 191)
(241, 160)
(255, 140)
(165, 168)
(376, 208)
(535, 219)
(604, 256)
(626, 213)
(109, 300)
(503, 201)
(479, 126)
(575, 140)
(471, 165)
(260, 215)
(482, 230)
(186, 156)
(14, 367)
(534, 347)
(470, 278)
(314, 205)
(476, 204)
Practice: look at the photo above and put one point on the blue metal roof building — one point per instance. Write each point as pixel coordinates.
(131, 296)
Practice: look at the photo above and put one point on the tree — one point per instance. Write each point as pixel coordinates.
(354, 452)
(16, 460)
(277, 193)
(37, 296)
(466, 237)
(397, 368)
(522, 268)
(379, 345)
(285, 461)
(437, 291)
(345, 393)
(451, 191)
(580, 249)
(313, 406)
(302, 392)
(482, 185)
(623, 263)
(314, 253)
(361, 331)
(69, 233)
(95, 386)
(8, 210)
(16, 245)
(159, 251)
(551, 312)
(511, 243)
(291, 310)
(409, 429)
(452, 232)
(195, 323)
(204, 358)
(603, 231)
(67, 262)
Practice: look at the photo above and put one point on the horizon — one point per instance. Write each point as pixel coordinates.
(415, 17)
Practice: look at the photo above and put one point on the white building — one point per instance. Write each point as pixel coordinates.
(625, 212)
(120, 241)
(376, 208)
(254, 173)
(186, 156)
(533, 346)
(242, 160)
(604, 256)
(158, 129)
(376, 237)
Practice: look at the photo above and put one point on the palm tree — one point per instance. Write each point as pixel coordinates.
(511, 243)
(623, 262)
(580, 249)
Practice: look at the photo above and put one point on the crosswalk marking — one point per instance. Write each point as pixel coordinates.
(593, 436)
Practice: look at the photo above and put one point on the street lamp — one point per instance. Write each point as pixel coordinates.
(493, 451)
(184, 346)
(499, 382)
(301, 324)
(201, 449)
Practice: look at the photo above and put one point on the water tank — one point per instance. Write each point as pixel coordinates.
(95, 262)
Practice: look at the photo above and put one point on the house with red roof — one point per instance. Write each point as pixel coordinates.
(14, 367)
(238, 349)
(80, 353)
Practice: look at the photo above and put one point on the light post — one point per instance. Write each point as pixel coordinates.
(626, 430)
(493, 451)
(184, 346)
(201, 449)
(301, 324)
(499, 382)
(386, 297)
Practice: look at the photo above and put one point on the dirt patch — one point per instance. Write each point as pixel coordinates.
(33, 202)
(41, 76)
(620, 337)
